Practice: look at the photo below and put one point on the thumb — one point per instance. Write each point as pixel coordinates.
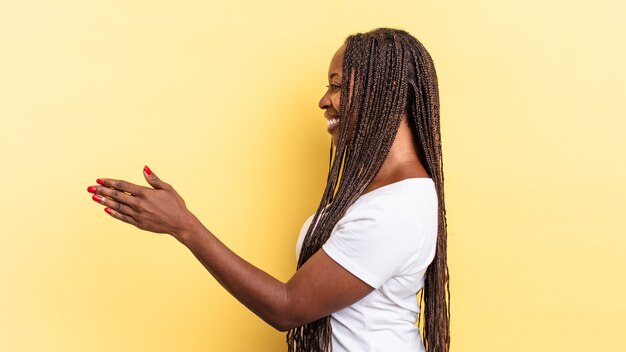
(153, 180)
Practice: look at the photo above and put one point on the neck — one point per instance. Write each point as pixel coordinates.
(402, 162)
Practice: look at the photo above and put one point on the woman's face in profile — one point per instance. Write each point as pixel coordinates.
(331, 99)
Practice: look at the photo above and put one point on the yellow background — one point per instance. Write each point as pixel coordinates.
(220, 99)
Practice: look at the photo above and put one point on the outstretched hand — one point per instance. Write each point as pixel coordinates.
(158, 209)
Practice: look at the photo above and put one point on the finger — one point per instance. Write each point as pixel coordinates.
(153, 180)
(114, 194)
(117, 206)
(121, 216)
(122, 186)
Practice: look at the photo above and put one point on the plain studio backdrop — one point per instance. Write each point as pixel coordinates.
(220, 100)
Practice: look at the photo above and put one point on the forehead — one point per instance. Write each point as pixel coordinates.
(336, 63)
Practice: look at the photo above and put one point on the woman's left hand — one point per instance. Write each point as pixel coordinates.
(159, 209)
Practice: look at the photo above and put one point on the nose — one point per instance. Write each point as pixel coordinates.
(324, 102)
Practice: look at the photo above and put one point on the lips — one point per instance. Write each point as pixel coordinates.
(332, 120)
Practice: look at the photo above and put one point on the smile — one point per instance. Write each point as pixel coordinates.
(332, 124)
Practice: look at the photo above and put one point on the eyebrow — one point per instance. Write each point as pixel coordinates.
(334, 74)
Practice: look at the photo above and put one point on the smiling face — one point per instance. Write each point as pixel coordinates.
(331, 99)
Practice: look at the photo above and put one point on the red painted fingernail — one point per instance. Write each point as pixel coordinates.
(91, 189)
(147, 170)
(97, 198)
(107, 210)
(100, 182)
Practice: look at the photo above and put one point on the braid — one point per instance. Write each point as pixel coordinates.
(424, 115)
(392, 74)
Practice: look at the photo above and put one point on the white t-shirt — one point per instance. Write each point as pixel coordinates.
(386, 238)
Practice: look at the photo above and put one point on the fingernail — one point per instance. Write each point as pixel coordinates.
(100, 182)
(97, 198)
(107, 210)
(147, 170)
(91, 189)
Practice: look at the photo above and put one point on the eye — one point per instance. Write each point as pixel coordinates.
(334, 87)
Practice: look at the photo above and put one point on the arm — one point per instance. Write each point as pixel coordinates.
(319, 288)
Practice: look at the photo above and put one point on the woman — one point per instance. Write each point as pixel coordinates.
(380, 233)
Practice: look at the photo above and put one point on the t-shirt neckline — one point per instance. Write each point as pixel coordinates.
(398, 182)
(390, 185)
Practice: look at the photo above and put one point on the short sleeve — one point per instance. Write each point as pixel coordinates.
(302, 234)
(375, 239)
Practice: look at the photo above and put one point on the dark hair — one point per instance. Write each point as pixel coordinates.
(393, 75)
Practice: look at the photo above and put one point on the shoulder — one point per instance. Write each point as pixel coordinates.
(377, 238)
(386, 207)
(380, 219)
(407, 204)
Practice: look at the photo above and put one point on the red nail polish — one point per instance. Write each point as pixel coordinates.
(100, 182)
(107, 210)
(91, 189)
(147, 170)
(97, 198)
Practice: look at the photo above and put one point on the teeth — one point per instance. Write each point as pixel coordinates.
(332, 122)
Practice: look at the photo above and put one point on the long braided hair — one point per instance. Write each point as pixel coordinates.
(392, 74)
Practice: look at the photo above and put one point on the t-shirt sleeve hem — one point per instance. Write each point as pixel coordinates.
(351, 266)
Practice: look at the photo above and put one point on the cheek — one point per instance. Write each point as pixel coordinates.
(335, 99)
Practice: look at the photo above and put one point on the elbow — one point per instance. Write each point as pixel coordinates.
(281, 327)
(284, 323)
(287, 317)
(289, 314)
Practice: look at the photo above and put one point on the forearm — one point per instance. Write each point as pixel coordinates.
(264, 295)
(320, 287)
